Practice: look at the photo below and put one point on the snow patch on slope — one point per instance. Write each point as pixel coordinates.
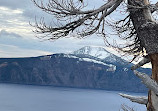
(70, 56)
(94, 61)
(111, 67)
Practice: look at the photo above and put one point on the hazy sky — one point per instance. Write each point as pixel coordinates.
(18, 40)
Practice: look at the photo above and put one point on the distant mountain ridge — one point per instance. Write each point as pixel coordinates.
(100, 54)
(88, 67)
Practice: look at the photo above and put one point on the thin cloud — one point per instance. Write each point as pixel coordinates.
(14, 4)
(14, 51)
(4, 33)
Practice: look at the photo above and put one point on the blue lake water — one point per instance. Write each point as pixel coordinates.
(44, 98)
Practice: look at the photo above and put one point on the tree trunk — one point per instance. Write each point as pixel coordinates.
(152, 98)
(147, 33)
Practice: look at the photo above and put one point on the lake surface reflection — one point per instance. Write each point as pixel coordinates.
(44, 98)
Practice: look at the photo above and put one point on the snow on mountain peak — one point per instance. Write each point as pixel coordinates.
(98, 52)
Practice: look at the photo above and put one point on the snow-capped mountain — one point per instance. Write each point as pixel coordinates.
(98, 53)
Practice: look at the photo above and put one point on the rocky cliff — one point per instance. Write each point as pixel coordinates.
(71, 70)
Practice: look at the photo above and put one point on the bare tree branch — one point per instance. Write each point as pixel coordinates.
(137, 99)
(91, 20)
(150, 83)
(72, 18)
(141, 63)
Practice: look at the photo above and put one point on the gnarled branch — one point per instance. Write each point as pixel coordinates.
(150, 83)
(137, 99)
(70, 12)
